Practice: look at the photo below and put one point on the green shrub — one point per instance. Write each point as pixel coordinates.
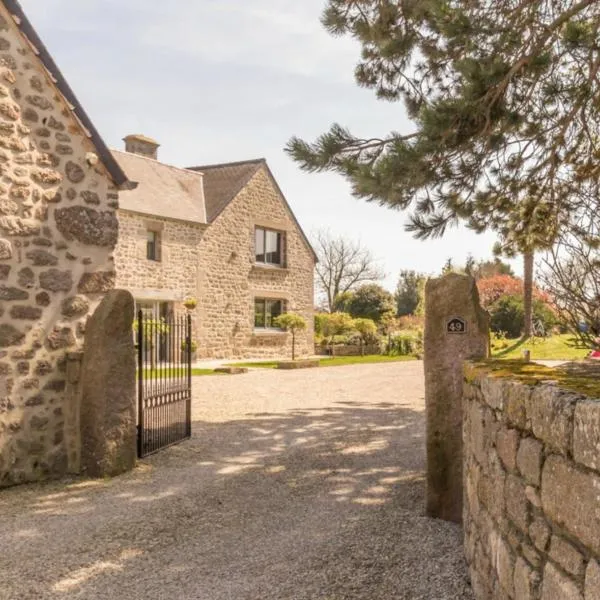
(320, 324)
(508, 316)
(498, 341)
(405, 343)
(193, 345)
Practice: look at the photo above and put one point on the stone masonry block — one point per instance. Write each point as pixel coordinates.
(557, 586)
(529, 460)
(586, 434)
(507, 442)
(592, 581)
(505, 565)
(571, 498)
(526, 581)
(567, 556)
(491, 489)
(539, 532)
(531, 554)
(517, 398)
(533, 495)
(517, 508)
(550, 411)
(477, 433)
(493, 391)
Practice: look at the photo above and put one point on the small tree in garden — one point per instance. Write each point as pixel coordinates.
(367, 330)
(409, 292)
(292, 323)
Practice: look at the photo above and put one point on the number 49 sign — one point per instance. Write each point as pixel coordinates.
(456, 325)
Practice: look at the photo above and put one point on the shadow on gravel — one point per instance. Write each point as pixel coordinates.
(308, 504)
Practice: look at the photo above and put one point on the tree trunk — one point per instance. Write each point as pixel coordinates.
(528, 260)
(293, 345)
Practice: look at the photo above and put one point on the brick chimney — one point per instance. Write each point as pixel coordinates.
(142, 145)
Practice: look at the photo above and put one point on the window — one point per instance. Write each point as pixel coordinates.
(153, 245)
(269, 247)
(266, 311)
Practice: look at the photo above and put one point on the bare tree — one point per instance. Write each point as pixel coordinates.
(343, 265)
(571, 275)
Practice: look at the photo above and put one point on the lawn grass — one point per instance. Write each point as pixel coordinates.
(557, 347)
(336, 361)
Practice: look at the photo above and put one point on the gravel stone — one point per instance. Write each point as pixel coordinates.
(296, 485)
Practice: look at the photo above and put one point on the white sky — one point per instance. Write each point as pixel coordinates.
(225, 80)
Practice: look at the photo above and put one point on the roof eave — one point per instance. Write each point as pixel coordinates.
(38, 47)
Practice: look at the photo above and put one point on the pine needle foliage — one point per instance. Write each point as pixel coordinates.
(505, 101)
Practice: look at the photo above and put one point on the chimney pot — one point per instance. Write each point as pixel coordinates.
(142, 145)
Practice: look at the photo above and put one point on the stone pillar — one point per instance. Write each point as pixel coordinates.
(456, 329)
(108, 408)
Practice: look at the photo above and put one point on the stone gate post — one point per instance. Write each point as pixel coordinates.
(456, 329)
(108, 408)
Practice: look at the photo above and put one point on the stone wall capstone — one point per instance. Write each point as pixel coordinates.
(58, 228)
(532, 503)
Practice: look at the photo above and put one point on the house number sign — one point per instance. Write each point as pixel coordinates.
(456, 325)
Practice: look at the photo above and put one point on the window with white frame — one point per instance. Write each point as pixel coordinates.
(269, 246)
(266, 310)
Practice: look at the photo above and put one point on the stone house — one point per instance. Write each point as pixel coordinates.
(58, 229)
(223, 234)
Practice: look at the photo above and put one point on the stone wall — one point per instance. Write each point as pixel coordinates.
(532, 490)
(346, 350)
(229, 279)
(175, 276)
(57, 233)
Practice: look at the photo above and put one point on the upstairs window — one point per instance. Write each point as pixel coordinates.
(266, 311)
(153, 245)
(269, 247)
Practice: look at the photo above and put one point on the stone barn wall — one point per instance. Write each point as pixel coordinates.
(532, 490)
(58, 230)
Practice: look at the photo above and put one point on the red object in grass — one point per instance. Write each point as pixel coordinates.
(595, 354)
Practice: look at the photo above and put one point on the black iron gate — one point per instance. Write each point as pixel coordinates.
(164, 381)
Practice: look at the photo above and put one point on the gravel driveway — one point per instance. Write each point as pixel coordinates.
(300, 485)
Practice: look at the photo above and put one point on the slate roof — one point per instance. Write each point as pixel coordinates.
(162, 190)
(40, 50)
(223, 182)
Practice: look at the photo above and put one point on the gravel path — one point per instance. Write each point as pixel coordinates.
(301, 485)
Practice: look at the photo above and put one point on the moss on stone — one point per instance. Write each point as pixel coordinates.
(582, 378)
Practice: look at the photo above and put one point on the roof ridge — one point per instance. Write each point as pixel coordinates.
(154, 160)
(229, 164)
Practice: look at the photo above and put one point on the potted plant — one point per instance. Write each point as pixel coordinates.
(190, 303)
(194, 347)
